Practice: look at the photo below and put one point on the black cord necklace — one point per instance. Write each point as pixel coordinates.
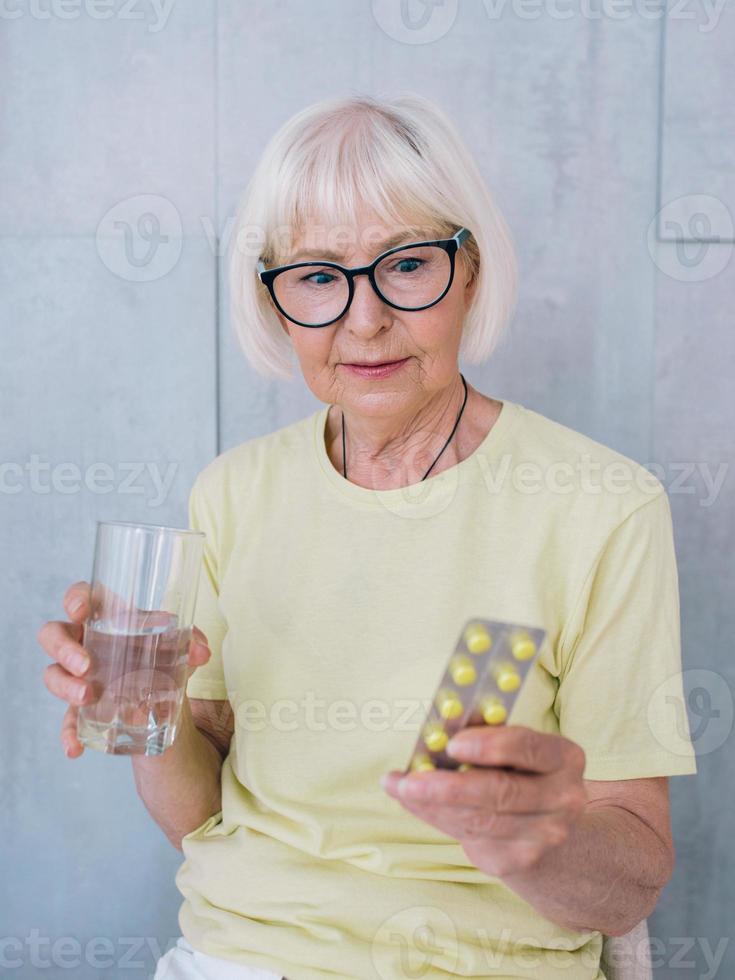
(344, 454)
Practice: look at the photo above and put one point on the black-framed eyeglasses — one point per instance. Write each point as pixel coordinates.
(408, 277)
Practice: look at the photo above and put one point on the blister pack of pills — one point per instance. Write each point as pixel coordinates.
(483, 679)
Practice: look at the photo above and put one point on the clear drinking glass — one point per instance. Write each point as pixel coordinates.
(144, 585)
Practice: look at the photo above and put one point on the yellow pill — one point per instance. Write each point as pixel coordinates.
(493, 711)
(477, 639)
(508, 679)
(449, 705)
(522, 646)
(462, 671)
(464, 767)
(435, 738)
(422, 763)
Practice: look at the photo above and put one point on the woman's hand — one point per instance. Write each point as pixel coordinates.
(65, 678)
(505, 818)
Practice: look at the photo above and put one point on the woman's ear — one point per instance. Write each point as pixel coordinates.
(470, 289)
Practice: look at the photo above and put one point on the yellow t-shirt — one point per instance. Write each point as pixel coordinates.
(331, 610)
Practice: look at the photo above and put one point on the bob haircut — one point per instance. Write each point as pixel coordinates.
(403, 159)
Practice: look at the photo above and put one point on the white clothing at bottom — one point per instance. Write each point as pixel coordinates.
(183, 962)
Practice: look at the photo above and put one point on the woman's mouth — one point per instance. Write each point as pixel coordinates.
(376, 370)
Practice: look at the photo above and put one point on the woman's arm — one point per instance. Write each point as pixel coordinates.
(586, 855)
(608, 874)
(181, 788)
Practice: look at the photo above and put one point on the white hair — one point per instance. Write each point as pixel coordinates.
(402, 158)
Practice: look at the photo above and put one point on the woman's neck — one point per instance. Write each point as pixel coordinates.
(385, 453)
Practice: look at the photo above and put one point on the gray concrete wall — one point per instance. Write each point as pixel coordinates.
(607, 136)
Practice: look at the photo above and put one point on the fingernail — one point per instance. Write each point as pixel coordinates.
(461, 747)
(80, 662)
(67, 750)
(80, 691)
(76, 605)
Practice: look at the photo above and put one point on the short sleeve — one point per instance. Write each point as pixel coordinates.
(208, 680)
(620, 693)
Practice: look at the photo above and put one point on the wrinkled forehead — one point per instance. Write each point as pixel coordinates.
(351, 242)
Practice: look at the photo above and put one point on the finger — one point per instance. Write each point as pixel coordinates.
(69, 739)
(64, 685)
(502, 790)
(198, 655)
(199, 636)
(516, 746)
(199, 652)
(471, 823)
(81, 601)
(61, 641)
(77, 601)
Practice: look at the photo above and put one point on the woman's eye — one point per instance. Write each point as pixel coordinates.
(323, 278)
(408, 265)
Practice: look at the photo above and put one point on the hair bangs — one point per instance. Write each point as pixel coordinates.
(343, 170)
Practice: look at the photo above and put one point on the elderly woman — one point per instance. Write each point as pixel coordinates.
(343, 554)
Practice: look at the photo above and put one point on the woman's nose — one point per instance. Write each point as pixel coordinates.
(367, 312)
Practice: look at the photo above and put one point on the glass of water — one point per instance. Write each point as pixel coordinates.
(144, 585)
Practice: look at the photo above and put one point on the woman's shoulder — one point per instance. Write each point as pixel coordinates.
(568, 463)
(253, 461)
(560, 441)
